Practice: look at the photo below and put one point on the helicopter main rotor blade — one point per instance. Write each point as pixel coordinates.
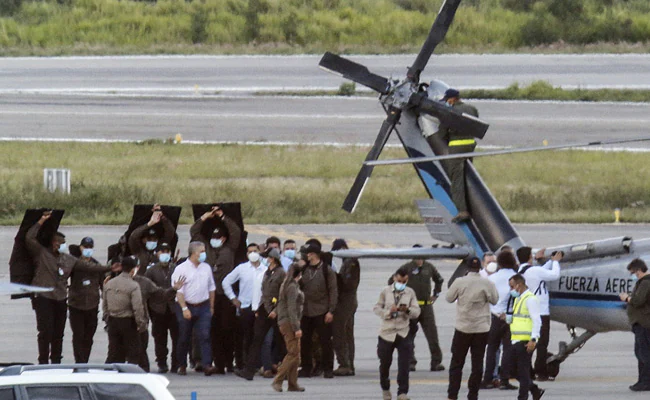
(353, 71)
(363, 176)
(461, 122)
(436, 35)
(502, 152)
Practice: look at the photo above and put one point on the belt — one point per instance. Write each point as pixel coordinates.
(462, 142)
(203, 303)
(424, 302)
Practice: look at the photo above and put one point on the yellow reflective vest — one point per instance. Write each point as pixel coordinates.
(521, 328)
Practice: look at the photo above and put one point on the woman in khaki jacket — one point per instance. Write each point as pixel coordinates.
(289, 311)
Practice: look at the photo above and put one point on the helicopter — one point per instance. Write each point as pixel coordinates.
(586, 296)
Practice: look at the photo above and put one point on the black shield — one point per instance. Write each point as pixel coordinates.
(21, 265)
(233, 211)
(142, 214)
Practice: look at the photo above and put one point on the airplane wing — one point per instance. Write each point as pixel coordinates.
(8, 288)
(406, 253)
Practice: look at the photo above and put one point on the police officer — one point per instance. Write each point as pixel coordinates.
(458, 143)
(151, 291)
(124, 309)
(220, 255)
(321, 296)
(348, 276)
(524, 334)
(144, 239)
(162, 312)
(53, 268)
(83, 303)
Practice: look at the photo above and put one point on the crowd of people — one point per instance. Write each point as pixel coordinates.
(207, 312)
(496, 311)
(288, 311)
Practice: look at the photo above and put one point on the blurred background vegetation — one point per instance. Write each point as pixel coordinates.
(298, 26)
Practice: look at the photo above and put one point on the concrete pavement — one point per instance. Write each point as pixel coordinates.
(602, 370)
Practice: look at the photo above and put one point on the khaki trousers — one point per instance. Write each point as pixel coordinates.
(289, 368)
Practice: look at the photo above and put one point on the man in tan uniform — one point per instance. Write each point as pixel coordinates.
(124, 309)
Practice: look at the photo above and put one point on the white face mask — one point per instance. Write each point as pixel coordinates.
(63, 248)
(216, 243)
(253, 257)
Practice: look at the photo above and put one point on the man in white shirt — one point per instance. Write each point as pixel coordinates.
(250, 276)
(536, 278)
(195, 306)
(488, 257)
(288, 254)
(525, 323)
(499, 329)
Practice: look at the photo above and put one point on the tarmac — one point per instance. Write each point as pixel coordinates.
(603, 369)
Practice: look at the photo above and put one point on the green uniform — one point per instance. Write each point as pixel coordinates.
(349, 276)
(420, 280)
(458, 143)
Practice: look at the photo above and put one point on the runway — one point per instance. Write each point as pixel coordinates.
(602, 370)
(180, 74)
(210, 98)
(306, 120)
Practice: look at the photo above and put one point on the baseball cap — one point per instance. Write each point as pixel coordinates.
(451, 93)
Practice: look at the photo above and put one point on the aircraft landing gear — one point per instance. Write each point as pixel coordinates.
(565, 350)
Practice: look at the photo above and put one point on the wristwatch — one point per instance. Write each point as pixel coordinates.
(184, 309)
(533, 340)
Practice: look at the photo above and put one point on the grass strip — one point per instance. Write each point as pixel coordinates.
(543, 90)
(537, 90)
(307, 184)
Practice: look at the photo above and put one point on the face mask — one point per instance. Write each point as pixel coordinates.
(63, 248)
(400, 286)
(151, 245)
(514, 293)
(634, 277)
(290, 254)
(164, 257)
(86, 253)
(203, 256)
(253, 257)
(215, 243)
(265, 262)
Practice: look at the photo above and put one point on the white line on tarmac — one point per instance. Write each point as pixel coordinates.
(285, 143)
(195, 115)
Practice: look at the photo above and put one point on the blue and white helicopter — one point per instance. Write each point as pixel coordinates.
(593, 274)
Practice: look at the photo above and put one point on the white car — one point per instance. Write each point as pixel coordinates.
(81, 382)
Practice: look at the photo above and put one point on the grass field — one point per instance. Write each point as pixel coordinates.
(278, 184)
(58, 27)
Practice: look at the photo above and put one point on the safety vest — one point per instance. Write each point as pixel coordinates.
(521, 328)
(462, 142)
